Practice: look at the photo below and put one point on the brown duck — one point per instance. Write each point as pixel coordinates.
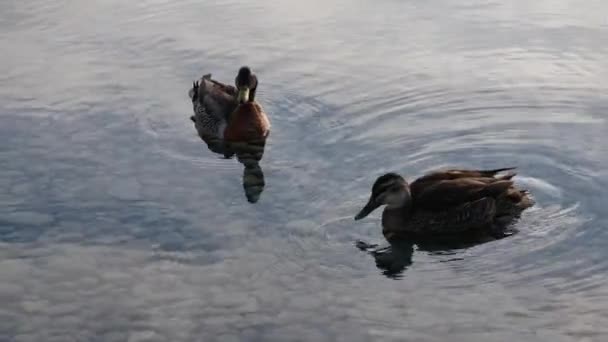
(447, 203)
(228, 112)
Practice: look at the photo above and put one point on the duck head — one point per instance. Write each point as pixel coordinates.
(390, 190)
(246, 84)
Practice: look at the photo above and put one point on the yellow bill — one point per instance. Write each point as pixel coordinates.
(243, 95)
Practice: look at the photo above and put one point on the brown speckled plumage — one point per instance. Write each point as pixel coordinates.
(449, 202)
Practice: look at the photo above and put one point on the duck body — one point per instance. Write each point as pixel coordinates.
(448, 203)
(248, 122)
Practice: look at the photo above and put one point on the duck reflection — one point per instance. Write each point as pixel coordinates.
(391, 260)
(394, 259)
(231, 122)
(250, 153)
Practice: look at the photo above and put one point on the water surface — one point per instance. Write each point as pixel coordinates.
(117, 223)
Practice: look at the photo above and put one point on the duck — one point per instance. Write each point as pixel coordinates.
(225, 112)
(450, 203)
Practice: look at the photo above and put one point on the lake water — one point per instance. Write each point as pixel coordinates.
(118, 224)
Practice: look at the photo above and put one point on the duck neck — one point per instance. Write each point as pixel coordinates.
(400, 211)
(395, 218)
(401, 201)
(252, 94)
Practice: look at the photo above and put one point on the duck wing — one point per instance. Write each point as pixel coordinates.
(441, 195)
(218, 99)
(464, 173)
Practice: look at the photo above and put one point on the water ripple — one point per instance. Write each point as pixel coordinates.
(119, 224)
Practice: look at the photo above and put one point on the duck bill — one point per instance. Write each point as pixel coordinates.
(243, 95)
(369, 207)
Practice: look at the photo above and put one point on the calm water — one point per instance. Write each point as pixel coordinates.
(117, 223)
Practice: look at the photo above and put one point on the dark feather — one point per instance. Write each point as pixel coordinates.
(437, 195)
(455, 201)
(462, 173)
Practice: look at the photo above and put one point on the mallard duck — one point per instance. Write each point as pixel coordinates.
(247, 122)
(225, 112)
(446, 203)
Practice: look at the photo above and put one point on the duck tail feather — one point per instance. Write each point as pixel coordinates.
(495, 171)
(497, 188)
(507, 176)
